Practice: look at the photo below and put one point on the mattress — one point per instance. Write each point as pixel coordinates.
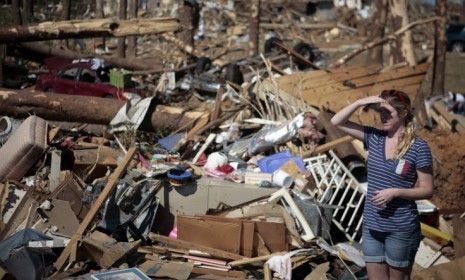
(23, 149)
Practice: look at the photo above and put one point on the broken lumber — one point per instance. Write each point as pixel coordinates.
(110, 185)
(254, 260)
(151, 64)
(298, 56)
(220, 273)
(344, 150)
(87, 28)
(380, 41)
(186, 245)
(328, 146)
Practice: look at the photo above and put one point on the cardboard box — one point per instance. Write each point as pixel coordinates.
(232, 235)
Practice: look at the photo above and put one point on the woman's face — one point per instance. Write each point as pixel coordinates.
(390, 118)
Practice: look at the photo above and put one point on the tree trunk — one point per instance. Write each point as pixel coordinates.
(254, 28)
(65, 15)
(439, 49)
(87, 28)
(99, 42)
(28, 12)
(132, 40)
(123, 5)
(2, 57)
(186, 17)
(86, 109)
(154, 64)
(402, 49)
(58, 107)
(375, 55)
(16, 12)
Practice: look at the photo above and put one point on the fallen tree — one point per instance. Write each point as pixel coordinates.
(86, 109)
(88, 28)
(152, 64)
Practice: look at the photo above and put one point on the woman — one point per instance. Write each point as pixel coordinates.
(396, 160)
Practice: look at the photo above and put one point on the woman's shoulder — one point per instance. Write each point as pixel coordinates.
(420, 141)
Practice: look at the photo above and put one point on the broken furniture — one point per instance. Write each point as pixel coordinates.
(23, 148)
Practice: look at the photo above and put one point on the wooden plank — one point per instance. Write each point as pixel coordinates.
(456, 121)
(328, 146)
(373, 89)
(340, 78)
(364, 82)
(440, 120)
(315, 79)
(111, 184)
(254, 260)
(231, 274)
(180, 244)
(267, 275)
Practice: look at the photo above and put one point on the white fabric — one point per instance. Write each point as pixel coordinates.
(282, 266)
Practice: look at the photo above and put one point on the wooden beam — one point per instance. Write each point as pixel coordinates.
(298, 56)
(52, 30)
(254, 260)
(181, 244)
(455, 121)
(228, 274)
(328, 146)
(103, 196)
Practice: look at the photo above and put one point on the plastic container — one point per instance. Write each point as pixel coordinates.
(120, 78)
(272, 163)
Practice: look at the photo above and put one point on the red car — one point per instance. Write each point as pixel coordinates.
(80, 78)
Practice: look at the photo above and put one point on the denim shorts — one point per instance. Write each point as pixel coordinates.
(397, 249)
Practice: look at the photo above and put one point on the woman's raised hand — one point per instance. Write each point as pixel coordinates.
(370, 100)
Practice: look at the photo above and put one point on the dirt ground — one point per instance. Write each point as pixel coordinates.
(448, 151)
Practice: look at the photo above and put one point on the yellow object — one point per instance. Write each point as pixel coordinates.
(430, 231)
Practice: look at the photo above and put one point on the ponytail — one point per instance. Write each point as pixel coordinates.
(407, 138)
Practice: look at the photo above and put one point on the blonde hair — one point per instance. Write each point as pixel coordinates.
(400, 101)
